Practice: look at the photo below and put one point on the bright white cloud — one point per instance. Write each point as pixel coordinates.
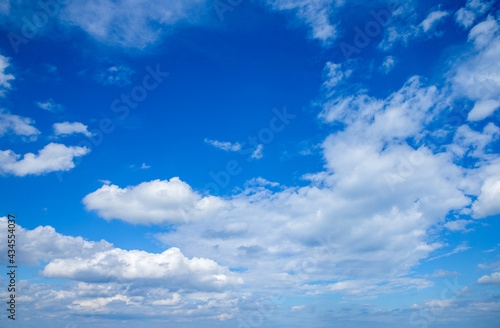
(169, 269)
(257, 153)
(53, 157)
(130, 23)
(49, 105)
(492, 279)
(21, 126)
(488, 202)
(45, 244)
(432, 19)
(477, 77)
(5, 78)
(158, 201)
(66, 129)
(227, 146)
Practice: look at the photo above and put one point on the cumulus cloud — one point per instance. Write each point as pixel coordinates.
(53, 157)
(67, 128)
(492, 279)
(21, 126)
(49, 105)
(158, 201)
(487, 202)
(169, 269)
(477, 77)
(5, 77)
(44, 244)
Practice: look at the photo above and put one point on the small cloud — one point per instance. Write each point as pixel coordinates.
(66, 129)
(459, 225)
(460, 248)
(441, 273)
(227, 146)
(49, 105)
(144, 166)
(432, 20)
(257, 154)
(388, 64)
(116, 75)
(106, 182)
(298, 308)
(262, 182)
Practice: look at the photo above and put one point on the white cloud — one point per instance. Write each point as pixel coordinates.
(145, 167)
(158, 201)
(388, 64)
(458, 225)
(314, 13)
(45, 244)
(458, 249)
(432, 19)
(18, 125)
(484, 33)
(66, 129)
(483, 109)
(227, 146)
(473, 8)
(170, 269)
(5, 78)
(487, 202)
(492, 279)
(477, 75)
(116, 75)
(257, 153)
(441, 273)
(130, 23)
(334, 74)
(53, 157)
(468, 142)
(49, 105)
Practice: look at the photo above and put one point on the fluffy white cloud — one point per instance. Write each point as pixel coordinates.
(130, 23)
(21, 126)
(49, 105)
(53, 157)
(473, 8)
(488, 202)
(45, 244)
(432, 19)
(158, 201)
(227, 146)
(169, 269)
(492, 279)
(66, 128)
(5, 78)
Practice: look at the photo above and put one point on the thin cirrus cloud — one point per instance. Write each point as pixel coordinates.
(227, 146)
(67, 128)
(53, 157)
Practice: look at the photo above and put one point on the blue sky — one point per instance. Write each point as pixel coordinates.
(252, 163)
